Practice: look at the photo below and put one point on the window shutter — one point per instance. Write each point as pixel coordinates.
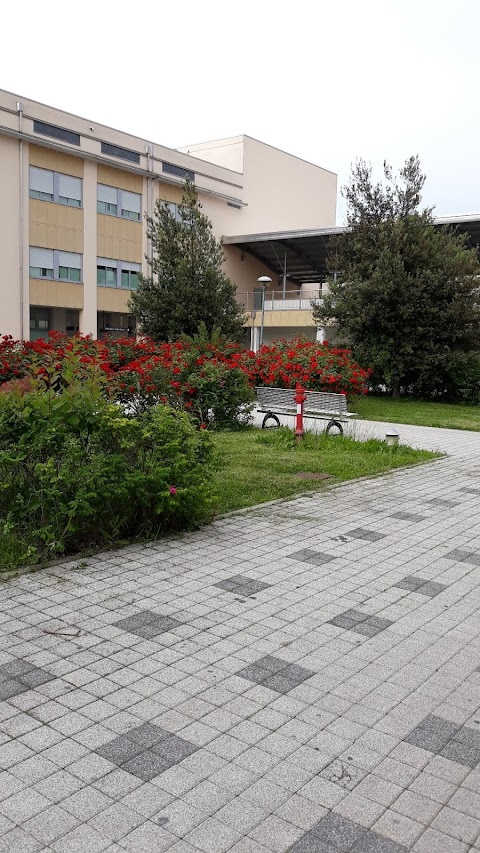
(131, 201)
(131, 267)
(107, 194)
(41, 258)
(106, 262)
(70, 187)
(70, 259)
(41, 180)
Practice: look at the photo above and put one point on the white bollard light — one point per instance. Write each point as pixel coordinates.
(391, 437)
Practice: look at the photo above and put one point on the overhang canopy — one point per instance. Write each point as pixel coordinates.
(304, 254)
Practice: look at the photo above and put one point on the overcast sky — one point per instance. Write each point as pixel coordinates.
(327, 81)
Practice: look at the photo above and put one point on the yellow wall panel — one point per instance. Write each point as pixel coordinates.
(56, 294)
(119, 178)
(45, 158)
(167, 192)
(119, 239)
(112, 299)
(56, 226)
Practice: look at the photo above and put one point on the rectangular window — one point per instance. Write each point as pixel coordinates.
(41, 263)
(121, 153)
(131, 205)
(69, 190)
(69, 266)
(56, 132)
(122, 274)
(117, 202)
(179, 171)
(54, 264)
(173, 208)
(55, 186)
(41, 184)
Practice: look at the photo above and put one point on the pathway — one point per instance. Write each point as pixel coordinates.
(303, 677)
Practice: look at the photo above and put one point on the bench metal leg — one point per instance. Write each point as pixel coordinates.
(270, 416)
(334, 423)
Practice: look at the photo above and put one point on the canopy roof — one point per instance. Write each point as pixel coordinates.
(304, 254)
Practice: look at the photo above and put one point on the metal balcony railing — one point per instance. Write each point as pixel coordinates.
(276, 301)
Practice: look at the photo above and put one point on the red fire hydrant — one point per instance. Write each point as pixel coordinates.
(300, 398)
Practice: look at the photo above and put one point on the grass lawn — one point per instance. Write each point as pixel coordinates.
(255, 466)
(260, 466)
(420, 412)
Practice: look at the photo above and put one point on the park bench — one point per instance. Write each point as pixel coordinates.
(318, 404)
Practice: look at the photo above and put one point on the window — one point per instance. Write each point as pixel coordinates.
(117, 202)
(41, 263)
(173, 208)
(115, 325)
(131, 204)
(121, 153)
(54, 264)
(129, 279)
(179, 171)
(41, 184)
(69, 190)
(39, 323)
(117, 273)
(69, 266)
(55, 186)
(56, 132)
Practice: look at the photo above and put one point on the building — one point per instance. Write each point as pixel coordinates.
(72, 228)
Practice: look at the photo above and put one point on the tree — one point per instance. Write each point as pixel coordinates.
(187, 285)
(406, 295)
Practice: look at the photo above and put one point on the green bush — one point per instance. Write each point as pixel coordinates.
(76, 472)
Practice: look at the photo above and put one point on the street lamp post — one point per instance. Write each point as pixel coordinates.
(263, 281)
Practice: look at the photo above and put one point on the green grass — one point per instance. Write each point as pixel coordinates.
(419, 412)
(260, 466)
(255, 466)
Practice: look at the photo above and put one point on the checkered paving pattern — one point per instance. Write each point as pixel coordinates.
(147, 624)
(458, 743)
(18, 676)
(242, 585)
(408, 516)
(302, 677)
(421, 585)
(362, 623)
(275, 674)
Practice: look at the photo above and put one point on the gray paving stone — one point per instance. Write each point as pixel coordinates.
(275, 674)
(421, 585)
(471, 557)
(367, 535)
(265, 757)
(307, 555)
(360, 623)
(148, 624)
(408, 516)
(242, 585)
(338, 831)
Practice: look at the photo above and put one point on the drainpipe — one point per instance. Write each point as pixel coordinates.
(20, 116)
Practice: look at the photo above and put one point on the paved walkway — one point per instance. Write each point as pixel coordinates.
(301, 677)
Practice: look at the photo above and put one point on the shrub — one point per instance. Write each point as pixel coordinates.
(316, 366)
(77, 472)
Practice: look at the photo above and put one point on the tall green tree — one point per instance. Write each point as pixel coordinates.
(187, 285)
(405, 293)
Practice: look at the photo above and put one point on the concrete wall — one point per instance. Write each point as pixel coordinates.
(282, 192)
(10, 280)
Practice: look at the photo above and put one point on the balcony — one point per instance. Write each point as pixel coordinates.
(278, 301)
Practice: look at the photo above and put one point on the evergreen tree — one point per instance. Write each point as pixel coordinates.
(405, 294)
(187, 285)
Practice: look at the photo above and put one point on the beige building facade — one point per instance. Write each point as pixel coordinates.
(73, 200)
